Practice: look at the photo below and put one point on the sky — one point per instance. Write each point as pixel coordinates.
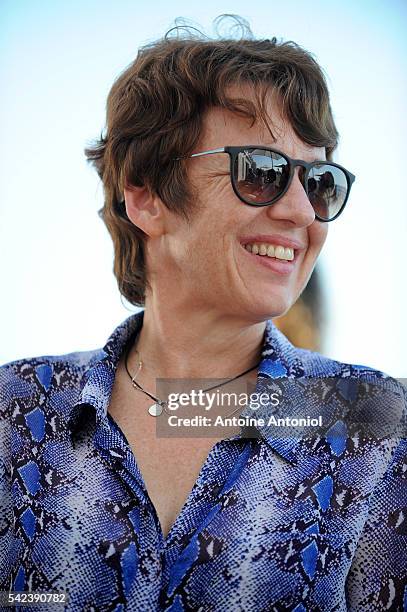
(58, 61)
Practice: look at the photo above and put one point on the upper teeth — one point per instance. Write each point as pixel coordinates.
(271, 250)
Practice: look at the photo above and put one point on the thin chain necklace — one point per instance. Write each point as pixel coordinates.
(160, 405)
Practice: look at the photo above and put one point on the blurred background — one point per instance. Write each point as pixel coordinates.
(58, 61)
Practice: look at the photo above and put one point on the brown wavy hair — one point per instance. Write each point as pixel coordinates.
(155, 112)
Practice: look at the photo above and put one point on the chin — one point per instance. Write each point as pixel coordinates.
(275, 306)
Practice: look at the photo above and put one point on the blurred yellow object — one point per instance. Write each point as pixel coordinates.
(303, 324)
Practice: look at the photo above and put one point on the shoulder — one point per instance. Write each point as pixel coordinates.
(377, 404)
(316, 364)
(305, 363)
(384, 392)
(28, 382)
(370, 399)
(353, 377)
(53, 375)
(43, 369)
(37, 398)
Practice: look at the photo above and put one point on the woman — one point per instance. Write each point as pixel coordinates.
(214, 166)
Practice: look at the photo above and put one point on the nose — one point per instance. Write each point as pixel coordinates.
(294, 206)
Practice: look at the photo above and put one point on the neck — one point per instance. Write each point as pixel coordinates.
(197, 344)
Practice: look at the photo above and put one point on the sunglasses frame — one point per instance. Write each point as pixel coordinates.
(233, 151)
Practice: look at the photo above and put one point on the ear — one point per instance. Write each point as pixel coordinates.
(144, 209)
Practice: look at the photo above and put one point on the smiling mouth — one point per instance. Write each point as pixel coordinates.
(272, 251)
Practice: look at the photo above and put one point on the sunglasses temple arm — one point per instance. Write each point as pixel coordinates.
(211, 152)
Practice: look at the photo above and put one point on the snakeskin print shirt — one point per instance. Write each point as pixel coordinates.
(273, 522)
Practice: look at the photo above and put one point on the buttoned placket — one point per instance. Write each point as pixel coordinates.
(196, 512)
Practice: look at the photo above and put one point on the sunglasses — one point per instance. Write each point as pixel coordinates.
(260, 176)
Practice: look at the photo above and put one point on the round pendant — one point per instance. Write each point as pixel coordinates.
(155, 410)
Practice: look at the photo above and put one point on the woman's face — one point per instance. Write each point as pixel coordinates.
(206, 259)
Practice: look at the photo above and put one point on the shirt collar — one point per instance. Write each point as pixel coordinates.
(278, 360)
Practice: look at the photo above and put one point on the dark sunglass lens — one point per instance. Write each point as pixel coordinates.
(260, 175)
(327, 189)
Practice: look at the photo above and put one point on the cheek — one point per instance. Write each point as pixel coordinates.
(218, 219)
(317, 234)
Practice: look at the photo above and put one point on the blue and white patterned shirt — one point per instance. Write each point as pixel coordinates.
(272, 523)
